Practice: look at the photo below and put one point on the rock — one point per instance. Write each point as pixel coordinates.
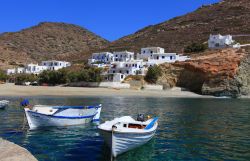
(12, 152)
(220, 73)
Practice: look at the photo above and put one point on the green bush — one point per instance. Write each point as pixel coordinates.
(153, 74)
(21, 78)
(195, 48)
(53, 77)
(64, 76)
(3, 76)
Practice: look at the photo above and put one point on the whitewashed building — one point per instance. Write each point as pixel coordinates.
(160, 58)
(55, 65)
(219, 41)
(157, 55)
(102, 57)
(135, 67)
(114, 77)
(37, 69)
(123, 56)
(15, 71)
(149, 52)
(11, 71)
(34, 69)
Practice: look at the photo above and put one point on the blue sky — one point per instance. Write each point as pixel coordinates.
(110, 19)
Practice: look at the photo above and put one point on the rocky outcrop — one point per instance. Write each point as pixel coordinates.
(12, 152)
(220, 73)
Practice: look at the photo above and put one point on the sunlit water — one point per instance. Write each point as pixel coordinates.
(189, 129)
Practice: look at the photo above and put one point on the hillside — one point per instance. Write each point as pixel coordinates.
(48, 41)
(226, 17)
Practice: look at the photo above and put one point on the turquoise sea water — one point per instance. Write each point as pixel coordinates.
(189, 129)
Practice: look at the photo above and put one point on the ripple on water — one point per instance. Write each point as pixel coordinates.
(189, 129)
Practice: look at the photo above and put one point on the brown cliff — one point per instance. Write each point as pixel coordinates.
(221, 73)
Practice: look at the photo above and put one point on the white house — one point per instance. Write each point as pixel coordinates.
(34, 69)
(114, 77)
(11, 71)
(148, 52)
(37, 69)
(157, 55)
(219, 41)
(55, 65)
(160, 58)
(135, 67)
(15, 71)
(123, 56)
(102, 57)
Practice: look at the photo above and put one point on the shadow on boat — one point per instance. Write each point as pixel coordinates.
(142, 153)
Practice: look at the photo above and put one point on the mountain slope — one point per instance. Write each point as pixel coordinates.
(226, 17)
(49, 41)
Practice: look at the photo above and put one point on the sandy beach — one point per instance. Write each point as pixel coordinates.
(10, 89)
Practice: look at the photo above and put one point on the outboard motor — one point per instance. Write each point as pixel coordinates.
(25, 103)
(140, 117)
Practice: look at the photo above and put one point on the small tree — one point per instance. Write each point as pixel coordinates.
(3, 76)
(153, 74)
(195, 48)
(21, 78)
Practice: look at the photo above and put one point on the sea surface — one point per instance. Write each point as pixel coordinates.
(189, 129)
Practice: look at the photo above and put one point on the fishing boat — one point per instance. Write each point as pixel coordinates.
(124, 133)
(3, 104)
(47, 116)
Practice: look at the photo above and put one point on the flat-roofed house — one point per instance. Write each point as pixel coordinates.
(220, 41)
(123, 56)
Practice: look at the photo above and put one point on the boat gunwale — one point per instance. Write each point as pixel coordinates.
(61, 117)
(143, 131)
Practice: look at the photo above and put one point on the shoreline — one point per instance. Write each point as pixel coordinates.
(10, 89)
(12, 151)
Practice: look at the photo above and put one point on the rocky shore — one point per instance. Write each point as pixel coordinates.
(223, 72)
(12, 152)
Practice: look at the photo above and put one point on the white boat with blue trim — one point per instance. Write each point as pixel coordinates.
(48, 116)
(3, 104)
(124, 133)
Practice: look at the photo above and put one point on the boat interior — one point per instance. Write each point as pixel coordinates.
(136, 126)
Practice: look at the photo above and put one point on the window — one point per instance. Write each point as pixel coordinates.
(136, 65)
(157, 57)
(151, 52)
(124, 125)
(126, 65)
(171, 57)
(133, 65)
(116, 55)
(144, 51)
(163, 57)
(113, 71)
(127, 71)
(120, 71)
(121, 76)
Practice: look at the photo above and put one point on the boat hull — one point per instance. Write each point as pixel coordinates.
(38, 120)
(3, 106)
(122, 142)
